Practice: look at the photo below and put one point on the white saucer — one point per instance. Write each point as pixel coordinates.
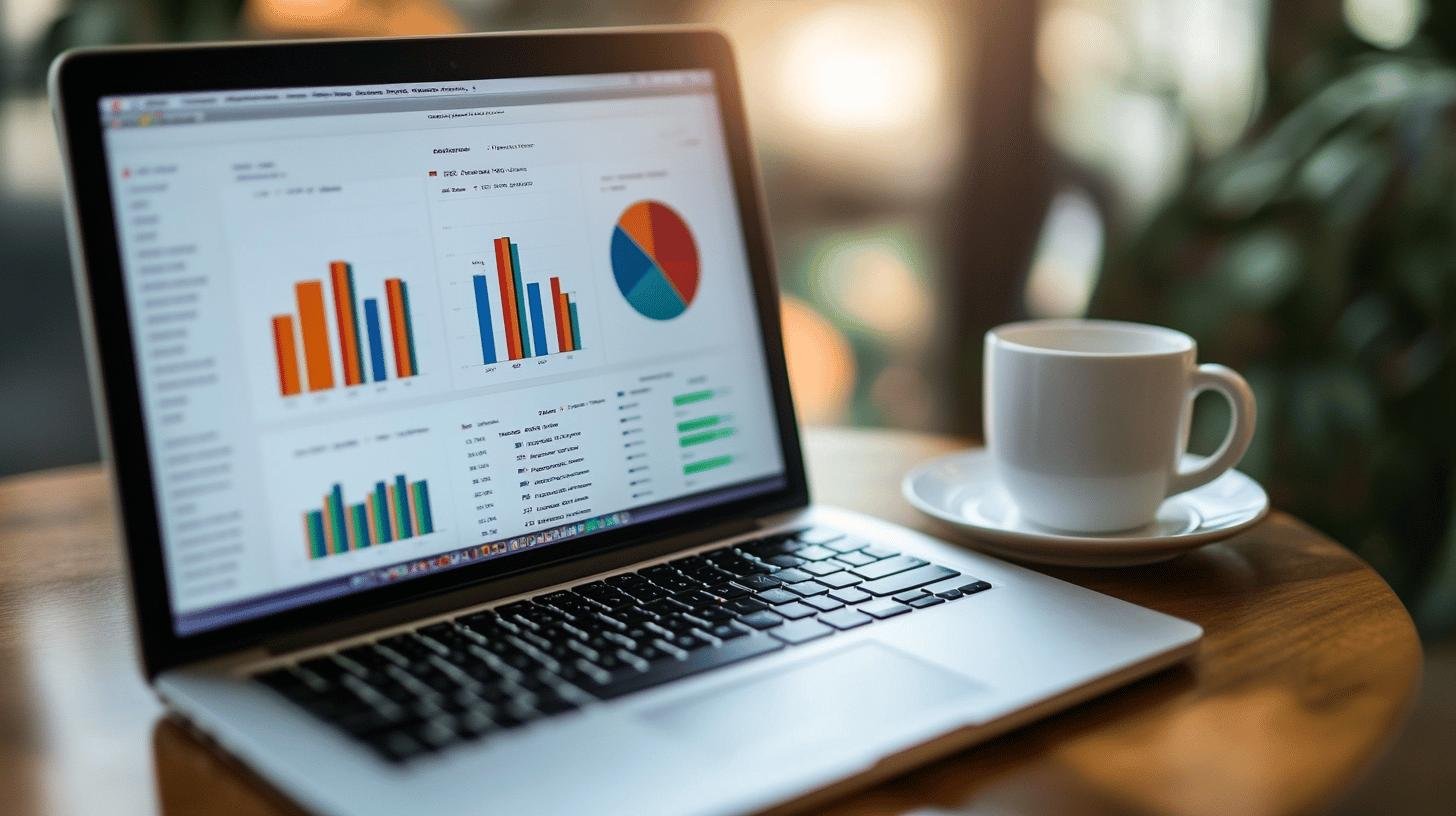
(961, 490)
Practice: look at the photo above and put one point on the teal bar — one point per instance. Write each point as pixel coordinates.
(381, 512)
(316, 533)
(361, 523)
(406, 524)
(575, 327)
(409, 328)
(520, 301)
(341, 529)
(427, 523)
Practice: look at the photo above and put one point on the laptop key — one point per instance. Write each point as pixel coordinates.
(762, 619)
(776, 596)
(801, 631)
(747, 605)
(850, 595)
(397, 746)
(876, 551)
(823, 603)
(846, 544)
(783, 561)
(846, 619)
(926, 600)
(807, 588)
(758, 583)
(973, 588)
(698, 661)
(883, 608)
(888, 566)
(840, 580)
(821, 568)
(730, 592)
(792, 575)
(726, 631)
(795, 611)
(901, 581)
(814, 553)
(855, 559)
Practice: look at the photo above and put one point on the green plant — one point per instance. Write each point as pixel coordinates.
(1320, 259)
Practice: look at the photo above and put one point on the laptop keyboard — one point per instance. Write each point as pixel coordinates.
(482, 673)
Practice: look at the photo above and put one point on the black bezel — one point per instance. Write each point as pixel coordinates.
(81, 78)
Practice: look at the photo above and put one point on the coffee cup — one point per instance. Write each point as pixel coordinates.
(1087, 420)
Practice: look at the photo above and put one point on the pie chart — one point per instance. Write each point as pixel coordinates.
(655, 260)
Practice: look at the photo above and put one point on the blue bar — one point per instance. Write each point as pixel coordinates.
(376, 341)
(538, 323)
(482, 316)
(575, 328)
(520, 307)
(406, 524)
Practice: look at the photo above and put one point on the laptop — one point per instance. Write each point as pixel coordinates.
(443, 386)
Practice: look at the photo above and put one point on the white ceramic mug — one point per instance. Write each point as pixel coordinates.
(1087, 420)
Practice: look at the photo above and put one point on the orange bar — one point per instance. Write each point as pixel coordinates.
(344, 319)
(563, 322)
(396, 328)
(310, 296)
(508, 297)
(287, 352)
(557, 306)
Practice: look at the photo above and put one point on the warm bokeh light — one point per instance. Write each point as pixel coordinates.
(860, 93)
(861, 66)
(352, 18)
(869, 281)
(821, 364)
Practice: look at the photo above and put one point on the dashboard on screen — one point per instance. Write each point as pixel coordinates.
(385, 331)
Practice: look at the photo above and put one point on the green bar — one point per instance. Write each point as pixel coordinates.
(422, 505)
(706, 464)
(705, 436)
(690, 398)
(316, 534)
(698, 424)
(381, 512)
(575, 325)
(335, 505)
(361, 526)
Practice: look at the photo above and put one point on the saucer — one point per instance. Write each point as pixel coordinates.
(961, 490)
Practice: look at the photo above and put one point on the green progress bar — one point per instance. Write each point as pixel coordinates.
(706, 464)
(698, 424)
(692, 397)
(705, 436)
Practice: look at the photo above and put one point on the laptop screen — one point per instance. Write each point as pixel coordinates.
(387, 331)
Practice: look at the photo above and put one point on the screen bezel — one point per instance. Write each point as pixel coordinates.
(79, 80)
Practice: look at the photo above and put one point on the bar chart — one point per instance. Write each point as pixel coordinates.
(362, 349)
(519, 314)
(395, 510)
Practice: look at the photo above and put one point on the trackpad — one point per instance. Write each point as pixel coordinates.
(854, 691)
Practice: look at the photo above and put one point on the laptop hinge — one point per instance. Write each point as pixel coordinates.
(504, 587)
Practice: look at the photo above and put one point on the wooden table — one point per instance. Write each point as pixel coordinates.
(1309, 667)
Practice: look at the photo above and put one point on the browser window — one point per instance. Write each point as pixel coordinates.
(385, 331)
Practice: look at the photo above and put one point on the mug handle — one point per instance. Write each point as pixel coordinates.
(1226, 381)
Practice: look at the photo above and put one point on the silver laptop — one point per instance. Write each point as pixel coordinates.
(443, 386)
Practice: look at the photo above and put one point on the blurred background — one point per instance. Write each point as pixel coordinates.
(1275, 177)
